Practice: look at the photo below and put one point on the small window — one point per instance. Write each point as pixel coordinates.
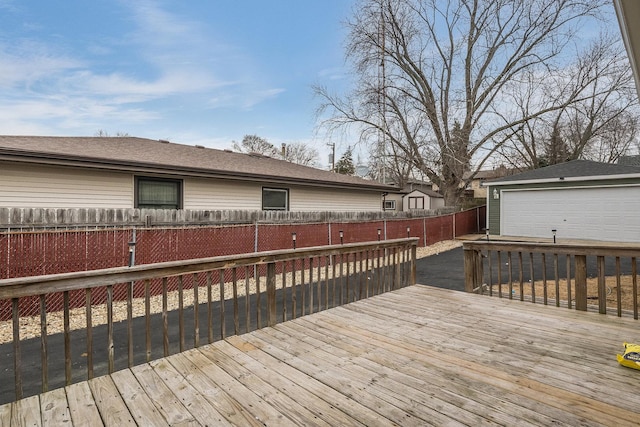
(416, 202)
(158, 193)
(275, 199)
(389, 205)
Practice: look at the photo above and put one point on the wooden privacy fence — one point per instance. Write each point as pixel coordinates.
(215, 297)
(585, 277)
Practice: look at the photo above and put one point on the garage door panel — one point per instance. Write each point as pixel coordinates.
(609, 213)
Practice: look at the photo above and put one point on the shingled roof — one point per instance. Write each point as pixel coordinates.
(575, 169)
(151, 156)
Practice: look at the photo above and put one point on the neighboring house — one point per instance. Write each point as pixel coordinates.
(580, 199)
(421, 200)
(407, 200)
(476, 187)
(127, 172)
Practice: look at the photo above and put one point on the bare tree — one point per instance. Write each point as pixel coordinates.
(105, 134)
(296, 152)
(255, 144)
(600, 124)
(433, 76)
(302, 154)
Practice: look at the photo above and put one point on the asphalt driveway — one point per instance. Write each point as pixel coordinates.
(446, 270)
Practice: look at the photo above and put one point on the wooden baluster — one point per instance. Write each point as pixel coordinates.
(581, 282)
(44, 348)
(544, 278)
(602, 286)
(223, 332)
(210, 308)
(17, 355)
(88, 315)
(110, 348)
(130, 323)
(618, 287)
(165, 318)
(181, 312)
(236, 308)
(147, 316)
(247, 299)
(196, 311)
(532, 278)
(67, 339)
(271, 294)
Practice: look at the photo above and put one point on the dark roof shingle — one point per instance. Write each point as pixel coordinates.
(132, 152)
(572, 169)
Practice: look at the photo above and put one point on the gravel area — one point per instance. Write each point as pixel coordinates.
(30, 326)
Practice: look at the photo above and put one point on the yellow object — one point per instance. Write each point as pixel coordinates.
(631, 356)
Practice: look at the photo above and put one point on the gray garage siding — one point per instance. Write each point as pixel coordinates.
(493, 208)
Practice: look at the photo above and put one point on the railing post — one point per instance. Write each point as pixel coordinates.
(414, 256)
(472, 269)
(271, 294)
(581, 282)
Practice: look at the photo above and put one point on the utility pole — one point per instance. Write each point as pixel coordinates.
(333, 156)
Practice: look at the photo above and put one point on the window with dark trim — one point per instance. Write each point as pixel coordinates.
(158, 193)
(416, 202)
(275, 199)
(389, 205)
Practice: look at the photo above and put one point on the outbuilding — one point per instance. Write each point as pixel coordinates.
(580, 199)
(126, 172)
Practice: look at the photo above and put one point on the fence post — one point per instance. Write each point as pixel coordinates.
(581, 282)
(271, 294)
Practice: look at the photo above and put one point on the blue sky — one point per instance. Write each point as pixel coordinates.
(196, 72)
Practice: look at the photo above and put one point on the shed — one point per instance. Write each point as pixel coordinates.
(580, 199)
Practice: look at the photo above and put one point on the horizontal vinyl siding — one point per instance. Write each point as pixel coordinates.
(35, 186)
(316, 199)
(215, 194)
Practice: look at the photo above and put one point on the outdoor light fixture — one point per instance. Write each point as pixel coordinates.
(379, 231)
(496, 195)
(132, 251)
(487, 234)
(341, 237)
(294, 237)
(554, 235)
(408, 232)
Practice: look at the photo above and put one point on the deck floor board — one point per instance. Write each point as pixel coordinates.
(415, 356)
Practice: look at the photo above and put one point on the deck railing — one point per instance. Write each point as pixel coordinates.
(253, 290)
(581, 276)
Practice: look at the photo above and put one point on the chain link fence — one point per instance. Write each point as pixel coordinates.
(32, 253)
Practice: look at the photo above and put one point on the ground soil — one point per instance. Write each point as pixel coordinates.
(626, 291)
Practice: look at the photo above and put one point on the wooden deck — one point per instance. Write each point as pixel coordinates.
(416, 356)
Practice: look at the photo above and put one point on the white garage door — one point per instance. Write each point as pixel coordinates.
(610, 214)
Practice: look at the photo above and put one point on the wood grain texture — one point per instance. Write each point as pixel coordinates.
(414, 356)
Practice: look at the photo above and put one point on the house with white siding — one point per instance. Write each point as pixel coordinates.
(128, 172)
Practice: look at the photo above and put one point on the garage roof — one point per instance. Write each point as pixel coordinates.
(575, 170)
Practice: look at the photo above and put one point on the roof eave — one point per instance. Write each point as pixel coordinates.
(628, 13)
(142, 167)
(564, 179)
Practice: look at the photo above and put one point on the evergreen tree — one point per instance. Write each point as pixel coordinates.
(345, 165)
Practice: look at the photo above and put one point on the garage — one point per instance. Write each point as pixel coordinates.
(609, 213)
(579, 199)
